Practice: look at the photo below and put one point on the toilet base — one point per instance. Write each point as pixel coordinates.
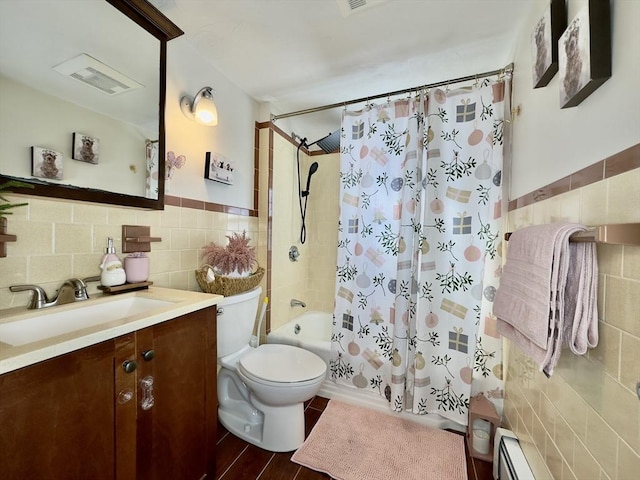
(276, 429)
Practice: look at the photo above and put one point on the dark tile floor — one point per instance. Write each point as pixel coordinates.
(239, 460)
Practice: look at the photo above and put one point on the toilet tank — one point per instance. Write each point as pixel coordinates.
(235, 320)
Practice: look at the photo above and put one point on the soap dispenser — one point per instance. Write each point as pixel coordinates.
(112, 272)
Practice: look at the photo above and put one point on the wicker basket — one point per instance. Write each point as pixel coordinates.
(228, 286)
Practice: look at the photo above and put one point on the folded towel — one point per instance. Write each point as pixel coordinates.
(581, 310)
(547, 293)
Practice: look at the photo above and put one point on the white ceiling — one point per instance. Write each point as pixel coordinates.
(38, 35)
(298, 54)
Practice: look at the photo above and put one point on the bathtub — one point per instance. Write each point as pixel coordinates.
(312, 331)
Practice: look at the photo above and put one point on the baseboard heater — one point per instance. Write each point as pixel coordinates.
(509, 462)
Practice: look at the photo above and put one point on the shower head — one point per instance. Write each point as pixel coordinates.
(301, 141)
(312, 169)
(328, 144)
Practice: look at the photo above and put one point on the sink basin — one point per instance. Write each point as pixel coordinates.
(46, 325)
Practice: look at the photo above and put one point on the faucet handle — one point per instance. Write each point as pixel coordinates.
(39, 297)
(95, 278)
(79, 290)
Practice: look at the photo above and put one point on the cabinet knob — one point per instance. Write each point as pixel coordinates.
(129, 366)
(148, 355)
(124, 396)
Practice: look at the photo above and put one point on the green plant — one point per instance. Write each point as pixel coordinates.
(237, 255)
(4, 207)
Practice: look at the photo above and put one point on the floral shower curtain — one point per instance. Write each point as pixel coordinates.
(418, 252)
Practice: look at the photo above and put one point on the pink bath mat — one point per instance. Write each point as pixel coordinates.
(356, 443)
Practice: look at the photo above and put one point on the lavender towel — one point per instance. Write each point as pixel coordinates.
(547, 293)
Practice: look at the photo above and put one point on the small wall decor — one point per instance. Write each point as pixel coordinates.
(46, 163)
(218, 168)
(544, 43)
(86, 148)
(174, 163)
(584, 53)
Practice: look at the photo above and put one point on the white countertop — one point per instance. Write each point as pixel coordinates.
(182, 303)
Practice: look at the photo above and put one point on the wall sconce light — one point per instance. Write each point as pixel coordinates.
(201, 108)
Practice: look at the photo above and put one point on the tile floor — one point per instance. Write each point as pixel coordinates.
(239, 460)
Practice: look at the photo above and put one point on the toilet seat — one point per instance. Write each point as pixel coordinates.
(274, 364)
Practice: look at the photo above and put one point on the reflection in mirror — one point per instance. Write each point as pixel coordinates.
(80, 88)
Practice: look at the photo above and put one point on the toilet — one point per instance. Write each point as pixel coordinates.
(262, 390)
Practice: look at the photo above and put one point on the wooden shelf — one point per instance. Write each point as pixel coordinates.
(5, 237)
(137, 238)
(127, 287)
(480, 408)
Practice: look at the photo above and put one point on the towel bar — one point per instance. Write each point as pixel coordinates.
(620, 234)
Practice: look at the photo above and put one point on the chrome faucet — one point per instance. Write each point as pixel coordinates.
(71, 290)
(297, 303)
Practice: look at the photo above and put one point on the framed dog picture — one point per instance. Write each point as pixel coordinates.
(86, 148)
(46, 163)
(218, 168)
(544, 43)
(584, 53)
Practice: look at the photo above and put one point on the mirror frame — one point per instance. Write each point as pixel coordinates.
(153, 21)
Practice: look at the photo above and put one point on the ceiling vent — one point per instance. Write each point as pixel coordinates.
(96, 74)
(349, 7)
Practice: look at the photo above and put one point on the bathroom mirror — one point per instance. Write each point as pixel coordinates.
(82, 84)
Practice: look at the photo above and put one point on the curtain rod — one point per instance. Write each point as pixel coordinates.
(506, 70)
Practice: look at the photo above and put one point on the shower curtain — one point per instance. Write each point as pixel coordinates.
(419, 250)
(151, 156)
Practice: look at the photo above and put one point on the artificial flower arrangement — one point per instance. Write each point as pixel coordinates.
(235, 259)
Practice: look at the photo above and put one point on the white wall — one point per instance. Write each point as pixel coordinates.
(550, 143)
(233, 137)
(29, 117)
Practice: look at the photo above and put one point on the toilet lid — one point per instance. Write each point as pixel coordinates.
(283, 364)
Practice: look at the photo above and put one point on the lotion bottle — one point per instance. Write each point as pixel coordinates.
(112, 272)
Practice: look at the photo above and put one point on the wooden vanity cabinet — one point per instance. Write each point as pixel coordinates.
(80, 415)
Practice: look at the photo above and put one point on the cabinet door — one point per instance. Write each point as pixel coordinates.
(57, 416)
(180, 428)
